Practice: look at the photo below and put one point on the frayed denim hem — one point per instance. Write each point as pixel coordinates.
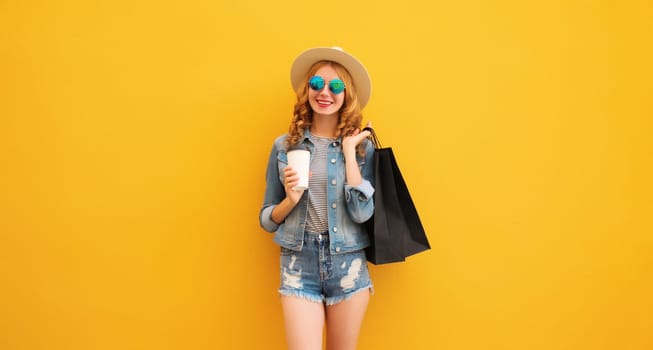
(335, 300)
(301, 295)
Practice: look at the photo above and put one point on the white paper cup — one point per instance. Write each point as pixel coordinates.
(300, 160)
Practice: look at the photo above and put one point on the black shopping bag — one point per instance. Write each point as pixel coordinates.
(395, 230)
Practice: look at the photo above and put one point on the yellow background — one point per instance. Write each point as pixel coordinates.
(134, 137)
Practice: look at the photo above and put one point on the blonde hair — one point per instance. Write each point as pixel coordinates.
(349, 115)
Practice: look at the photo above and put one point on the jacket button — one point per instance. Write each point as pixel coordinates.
(335, 229)
(333, 161)
(337, 249)
(333, 182)
(333, 205)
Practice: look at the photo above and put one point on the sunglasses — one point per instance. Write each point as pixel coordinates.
(317, 83)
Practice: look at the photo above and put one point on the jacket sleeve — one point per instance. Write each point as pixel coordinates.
(274, 192)
(360, 199)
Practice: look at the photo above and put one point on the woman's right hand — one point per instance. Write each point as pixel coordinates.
(291, 179)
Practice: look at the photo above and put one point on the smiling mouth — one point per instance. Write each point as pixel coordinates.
(324, 103)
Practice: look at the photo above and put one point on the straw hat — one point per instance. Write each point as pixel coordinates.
(308, 58)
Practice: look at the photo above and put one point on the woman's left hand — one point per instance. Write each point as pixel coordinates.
(350, 142)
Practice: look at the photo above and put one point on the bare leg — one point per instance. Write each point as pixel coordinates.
(304, 323)
(344, 321)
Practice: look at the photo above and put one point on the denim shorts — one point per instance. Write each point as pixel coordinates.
(316, 275)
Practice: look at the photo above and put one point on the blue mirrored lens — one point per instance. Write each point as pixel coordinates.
(337, 86)
(316, 83)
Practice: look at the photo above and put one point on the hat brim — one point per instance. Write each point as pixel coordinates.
(359, 74)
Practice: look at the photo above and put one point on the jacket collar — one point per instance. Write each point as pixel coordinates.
(309, 137)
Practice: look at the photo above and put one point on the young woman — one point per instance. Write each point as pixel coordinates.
(324, 275)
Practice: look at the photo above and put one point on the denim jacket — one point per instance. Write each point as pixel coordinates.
(348, 206)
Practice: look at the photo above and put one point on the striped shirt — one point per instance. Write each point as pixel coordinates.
(317, 220)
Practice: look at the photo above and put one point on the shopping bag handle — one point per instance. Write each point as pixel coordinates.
(373, 137)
